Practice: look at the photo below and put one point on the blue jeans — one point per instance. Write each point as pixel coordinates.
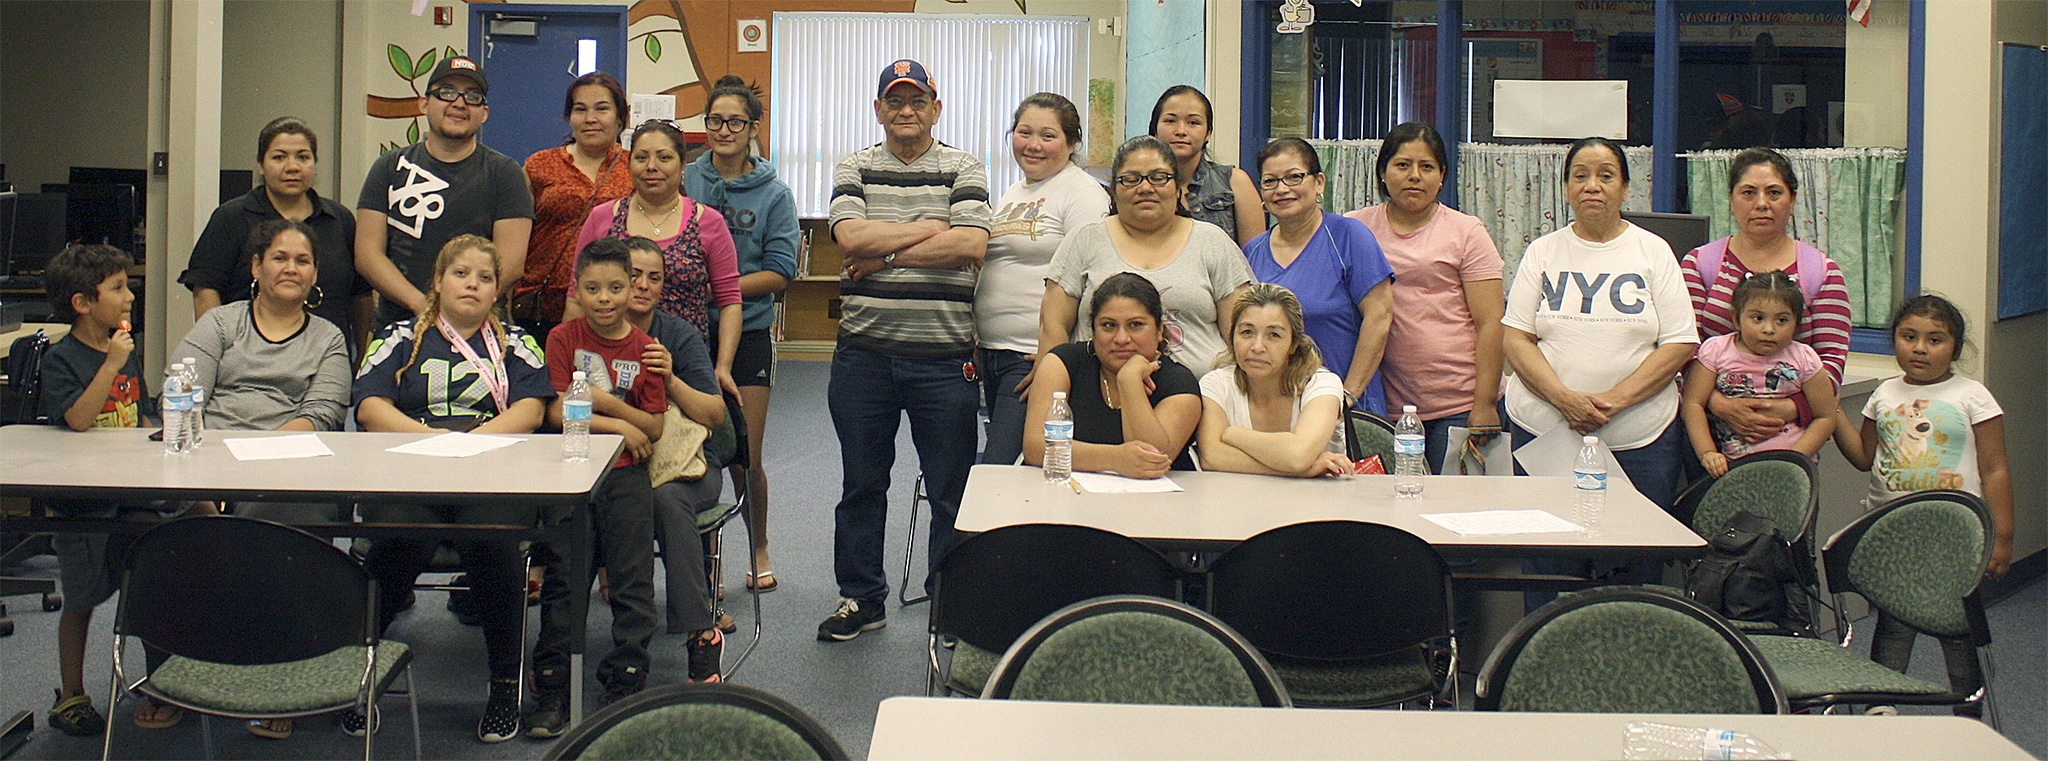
(868, 395)
(1654, 470)
(1001, 371)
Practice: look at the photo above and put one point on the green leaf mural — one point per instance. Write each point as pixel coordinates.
(425, 64)
(400, 62)
(449, 52)
(653, 49)
(412, 132)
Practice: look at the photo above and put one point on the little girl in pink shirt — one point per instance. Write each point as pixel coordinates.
(1759, 360)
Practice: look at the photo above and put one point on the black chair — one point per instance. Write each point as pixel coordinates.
(1135, 649)
(1627, 650)
(1920, 559)
(261, 621)
(918, 496)
(995, 585)
(1350, 614)
(691, 721)
(729, 444)
(25, 389)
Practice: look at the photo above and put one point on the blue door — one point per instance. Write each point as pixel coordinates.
(531, 53)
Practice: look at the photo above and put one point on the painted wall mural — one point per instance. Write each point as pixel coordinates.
(413, 71)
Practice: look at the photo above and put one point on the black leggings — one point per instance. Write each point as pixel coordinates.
(496, 571)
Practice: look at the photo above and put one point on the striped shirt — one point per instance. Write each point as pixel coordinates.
(1825, 325)
(910, 311)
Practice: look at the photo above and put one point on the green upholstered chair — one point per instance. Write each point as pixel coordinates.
(994, 585)
(261, 621)
(1777, 485)
(698, 721)
(1919, 559)
(1350, 614)
(1626, 650)
(1134, 649)
(728, 444)
(1367, 434)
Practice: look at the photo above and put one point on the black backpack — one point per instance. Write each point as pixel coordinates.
(1752, 574)
(24, 389)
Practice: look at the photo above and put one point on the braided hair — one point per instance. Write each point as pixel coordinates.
(428, 319)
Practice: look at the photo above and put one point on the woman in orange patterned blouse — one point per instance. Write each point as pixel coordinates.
(567, 181)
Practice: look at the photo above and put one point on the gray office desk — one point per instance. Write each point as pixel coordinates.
(1220, 509)
(958, 728)
(40, 461)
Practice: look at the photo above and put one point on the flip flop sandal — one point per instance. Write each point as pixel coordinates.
(763, 583)
(274, 729)
(160, 715)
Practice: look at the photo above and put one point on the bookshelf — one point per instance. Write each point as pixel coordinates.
(807, 315)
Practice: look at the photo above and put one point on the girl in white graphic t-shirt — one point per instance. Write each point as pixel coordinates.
(1933, 429)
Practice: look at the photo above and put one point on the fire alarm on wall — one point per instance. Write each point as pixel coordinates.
(444, 15)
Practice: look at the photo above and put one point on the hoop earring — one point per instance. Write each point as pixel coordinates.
(255, 289)
(319, 297)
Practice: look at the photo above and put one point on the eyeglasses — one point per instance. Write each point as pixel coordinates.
(715, 124)
(1158, 179)
(896, 104)
(450, 95)
(1292, 180)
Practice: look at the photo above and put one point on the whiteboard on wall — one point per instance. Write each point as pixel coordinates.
(1560, 109)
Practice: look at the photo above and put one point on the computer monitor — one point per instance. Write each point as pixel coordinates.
(235, 183)
(108, 214)
(31, 231)
(1684, 232)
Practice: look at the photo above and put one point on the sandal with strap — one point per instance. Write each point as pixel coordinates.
(762, 583)
(274, 729)
(151, 714)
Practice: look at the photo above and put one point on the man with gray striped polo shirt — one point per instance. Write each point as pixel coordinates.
(912, 217)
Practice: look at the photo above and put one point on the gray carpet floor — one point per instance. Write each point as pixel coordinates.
(838, 683)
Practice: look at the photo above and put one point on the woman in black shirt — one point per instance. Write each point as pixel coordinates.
(1135, 409)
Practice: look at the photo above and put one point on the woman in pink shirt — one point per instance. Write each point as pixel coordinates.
(1444, 353)
(697, 251)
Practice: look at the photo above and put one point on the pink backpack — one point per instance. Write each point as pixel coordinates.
(1810, 271)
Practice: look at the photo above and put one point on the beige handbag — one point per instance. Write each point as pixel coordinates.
(679, 453)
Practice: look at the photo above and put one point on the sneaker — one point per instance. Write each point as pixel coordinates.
(1881, 711)
(501, 714)
(354, 724)
(706, 656)
(550, 715)
(852, 618)
(75, 715)
(624, 685)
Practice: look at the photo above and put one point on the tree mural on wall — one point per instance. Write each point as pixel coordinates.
(412, 70)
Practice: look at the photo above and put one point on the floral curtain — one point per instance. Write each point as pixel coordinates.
(1517, 191)
(1347, 170)
(1848, 206)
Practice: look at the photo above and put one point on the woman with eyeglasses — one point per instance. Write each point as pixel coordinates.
(761, 215)
(1762, 190)
(567, 181)
(700, 262)
(1444, 351)
(1331, 263)
(1032, 218)
(1197, 269)
(1218, 194)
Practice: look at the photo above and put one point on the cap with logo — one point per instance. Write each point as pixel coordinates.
(906, 70)
(460, 66)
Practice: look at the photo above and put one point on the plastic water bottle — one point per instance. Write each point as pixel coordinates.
(576, 419)
(1409, 464)
(1589, 479)
(1059, 439)
(176, 410)
(1650, 740)
(195, 425)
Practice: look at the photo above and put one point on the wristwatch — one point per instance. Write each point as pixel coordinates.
(888, 261)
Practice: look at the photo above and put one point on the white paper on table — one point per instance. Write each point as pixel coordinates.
(296, 447)
(455, 445)
(1110, 483)
(1556, 451)
(1495, 522)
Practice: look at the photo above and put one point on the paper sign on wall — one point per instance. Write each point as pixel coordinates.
(753, 36)
(1560, 109)
(653, 106)
(1787, 97)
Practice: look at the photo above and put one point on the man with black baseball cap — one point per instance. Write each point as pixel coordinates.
(418, 197)
(912, 217)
